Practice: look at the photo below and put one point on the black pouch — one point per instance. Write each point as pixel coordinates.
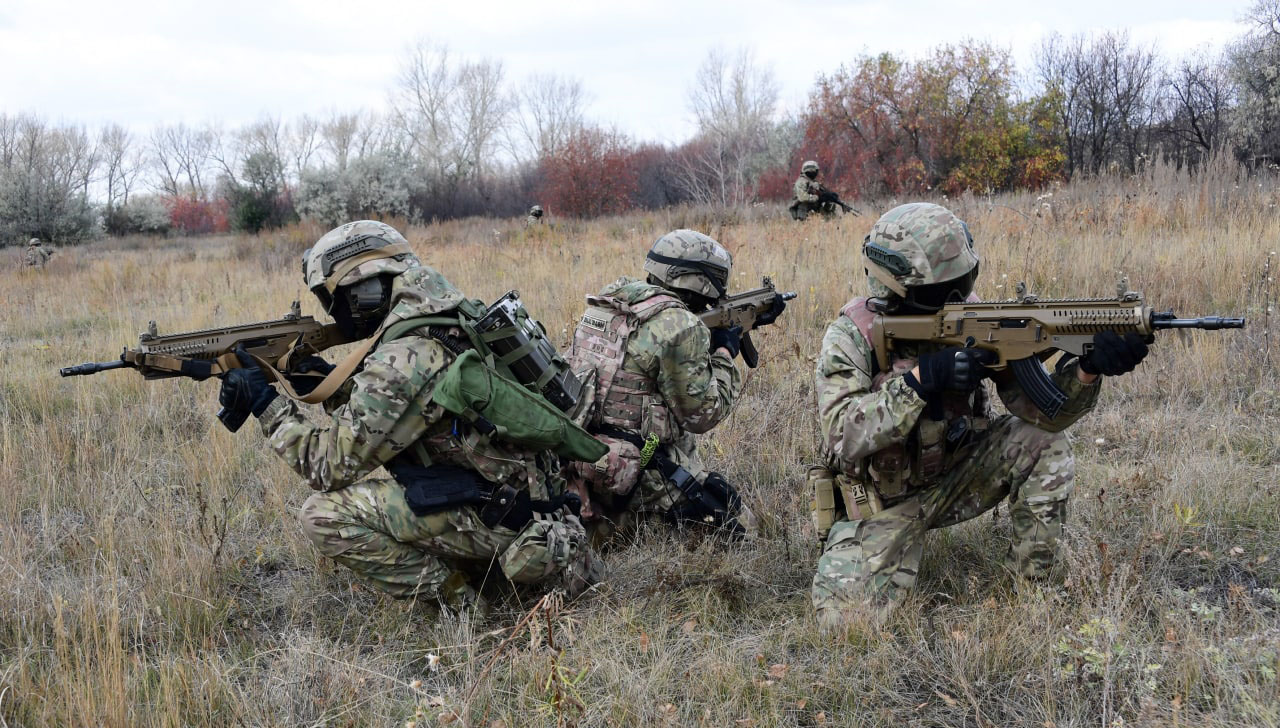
(437, 488)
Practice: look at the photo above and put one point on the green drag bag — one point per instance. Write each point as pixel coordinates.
(479, 395)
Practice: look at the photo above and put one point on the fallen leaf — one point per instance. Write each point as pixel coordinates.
(644, 641)
(778, 671)
(947, 698)
(801, 703)
(746, 722)
(820, 717)
(959, 635)
(1170, 635)
(1236, 550)
(689, 626)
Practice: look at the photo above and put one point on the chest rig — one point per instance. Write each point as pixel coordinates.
(625, 400)
(942, 435)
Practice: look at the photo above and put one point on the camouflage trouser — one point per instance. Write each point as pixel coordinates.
(800, 210)
(369, 528)
(875, 560)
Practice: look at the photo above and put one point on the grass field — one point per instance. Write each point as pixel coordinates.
(152, 571)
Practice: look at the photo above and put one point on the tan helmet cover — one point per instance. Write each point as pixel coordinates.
(355, 252)
(935, 242)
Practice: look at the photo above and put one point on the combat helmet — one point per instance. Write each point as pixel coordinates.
(922, 255)
(33, 241)
(809, 166)
(536, 210)
(360, 258)
(687, 260)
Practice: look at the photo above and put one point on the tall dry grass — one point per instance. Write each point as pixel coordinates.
(153, 572)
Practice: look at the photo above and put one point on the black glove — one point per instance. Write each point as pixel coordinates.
(729, 338)
(303, 378)
(775, 310)
(244, 391)
(956, 369)
(1112, 355)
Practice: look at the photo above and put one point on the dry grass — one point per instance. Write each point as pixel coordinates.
(152, 573)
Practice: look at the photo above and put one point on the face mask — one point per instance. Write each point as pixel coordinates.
(811, 174)
(360, 309)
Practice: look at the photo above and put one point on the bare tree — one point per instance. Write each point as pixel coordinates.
(1255, 68)
(182, 158)
(1198, 96)
(121, 165)
(452, 116)
(551, 108)
(733, 100)
(1105, 91)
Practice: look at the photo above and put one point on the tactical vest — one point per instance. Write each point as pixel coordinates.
(626, 400)
(939, 437)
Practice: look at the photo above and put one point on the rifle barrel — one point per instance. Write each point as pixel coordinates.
(1209, 323)
(788, 295)
(92, 367)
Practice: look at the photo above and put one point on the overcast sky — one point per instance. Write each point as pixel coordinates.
(232, 61)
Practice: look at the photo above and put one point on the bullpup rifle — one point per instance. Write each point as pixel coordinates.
(211, 352)
(1026, 331)
(742, 309)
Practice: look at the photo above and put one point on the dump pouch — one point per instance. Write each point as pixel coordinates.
(493, 404)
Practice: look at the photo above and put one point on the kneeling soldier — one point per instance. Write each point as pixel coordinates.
(917, 447)
(462, 499)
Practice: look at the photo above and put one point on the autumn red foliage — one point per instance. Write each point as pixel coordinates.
(198, 217)
(594, 173)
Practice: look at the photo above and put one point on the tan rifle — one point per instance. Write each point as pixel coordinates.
(211, 352)
(1028, 330)
(741, 309)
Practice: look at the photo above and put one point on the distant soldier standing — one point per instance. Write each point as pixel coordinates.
(660, 377)
(37, 255)
(534, 217)
(812, 196)
(919, 446)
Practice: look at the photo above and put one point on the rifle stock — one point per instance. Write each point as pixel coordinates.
(742, 309)
(1024, 332)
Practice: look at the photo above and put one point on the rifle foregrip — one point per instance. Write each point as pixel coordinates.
(1039, 386)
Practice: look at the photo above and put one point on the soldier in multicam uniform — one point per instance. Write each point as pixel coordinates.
(918, 447)
(660, 377)
(37, 256)
(366, 277)
(807, 190)
(534, 217)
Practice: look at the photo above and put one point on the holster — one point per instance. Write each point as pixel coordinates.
(438, 488)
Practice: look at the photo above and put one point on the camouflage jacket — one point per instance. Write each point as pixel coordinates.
(871, 421)
(689, 389)
(38, 255)
(385, 411)
(807, 190)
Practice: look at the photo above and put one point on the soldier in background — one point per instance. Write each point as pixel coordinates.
(812, 196)
(918, 447)
(534, 217)
(37, 256)
(660, 378)
(403, 540)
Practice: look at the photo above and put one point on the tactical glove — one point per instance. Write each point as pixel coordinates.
(244, 391)
(775, 310)
(729, 337)
(1112, 355)
(308, 374)
(955, 369)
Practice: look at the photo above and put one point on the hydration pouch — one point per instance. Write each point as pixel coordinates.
(498, 407)
(617, 471)
(520, 344)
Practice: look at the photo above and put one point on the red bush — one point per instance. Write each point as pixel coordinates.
(198, 217)
(594, 173)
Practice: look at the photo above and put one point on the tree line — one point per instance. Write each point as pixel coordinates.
(460, 138)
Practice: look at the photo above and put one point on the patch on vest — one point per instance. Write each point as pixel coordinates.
(592, 322)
